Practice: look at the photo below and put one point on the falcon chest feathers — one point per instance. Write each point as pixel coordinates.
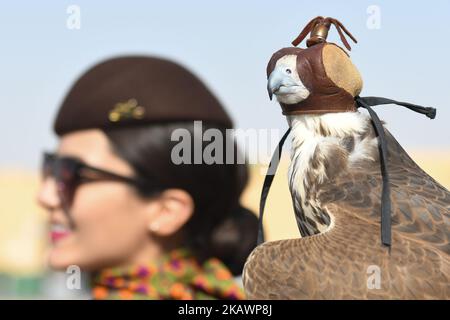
(323, 148)
(335, 183)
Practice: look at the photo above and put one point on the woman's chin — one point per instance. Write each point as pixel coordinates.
(63, 254)
(60, 260)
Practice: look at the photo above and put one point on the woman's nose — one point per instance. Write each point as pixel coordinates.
(47, 196)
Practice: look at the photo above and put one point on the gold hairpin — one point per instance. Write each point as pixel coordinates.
(126, 110)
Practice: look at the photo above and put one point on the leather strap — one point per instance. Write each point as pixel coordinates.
(366, 103)
(270, 175)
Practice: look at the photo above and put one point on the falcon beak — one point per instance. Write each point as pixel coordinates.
(275, 81)
(270, 92)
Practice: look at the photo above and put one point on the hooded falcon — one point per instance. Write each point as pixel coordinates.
(336, 181)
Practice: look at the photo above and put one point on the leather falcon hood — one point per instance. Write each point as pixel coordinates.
(329, 75)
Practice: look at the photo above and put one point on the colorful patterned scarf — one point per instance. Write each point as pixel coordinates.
(176, 276)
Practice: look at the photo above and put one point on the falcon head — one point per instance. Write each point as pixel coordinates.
(321, 75)
(284, 81)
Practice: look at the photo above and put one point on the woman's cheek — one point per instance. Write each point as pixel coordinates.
(105, 231)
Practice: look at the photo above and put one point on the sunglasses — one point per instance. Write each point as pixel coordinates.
(70, 172)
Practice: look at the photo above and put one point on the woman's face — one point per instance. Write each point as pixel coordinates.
(111, 222)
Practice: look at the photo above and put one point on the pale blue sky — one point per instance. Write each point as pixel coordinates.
(227, 44)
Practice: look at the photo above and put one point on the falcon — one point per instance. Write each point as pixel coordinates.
(340, 160)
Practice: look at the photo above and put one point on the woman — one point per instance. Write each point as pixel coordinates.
(121, 204)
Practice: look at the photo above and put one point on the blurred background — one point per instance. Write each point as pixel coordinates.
(402, 53)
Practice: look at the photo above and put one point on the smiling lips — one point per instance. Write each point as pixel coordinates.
(58, 232)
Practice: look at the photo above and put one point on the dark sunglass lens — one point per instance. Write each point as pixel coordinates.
(47, 166)
(67, 179)
(66, 170)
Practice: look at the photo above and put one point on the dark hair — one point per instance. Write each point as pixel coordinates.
(219, 227)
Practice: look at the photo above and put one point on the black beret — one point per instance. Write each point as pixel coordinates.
(137, 90)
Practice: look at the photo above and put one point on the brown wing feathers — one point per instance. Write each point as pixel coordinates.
(335, 264)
